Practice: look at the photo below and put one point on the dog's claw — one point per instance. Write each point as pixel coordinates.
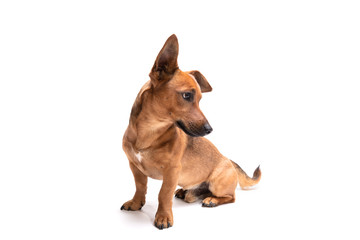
(210, 204)
(161, 226)
(127, 209)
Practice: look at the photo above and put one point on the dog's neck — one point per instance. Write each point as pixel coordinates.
(151, 128)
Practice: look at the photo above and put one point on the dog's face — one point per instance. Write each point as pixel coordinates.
(177, 93)
(180, 98)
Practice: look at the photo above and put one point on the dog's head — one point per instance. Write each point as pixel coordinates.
(177, 93)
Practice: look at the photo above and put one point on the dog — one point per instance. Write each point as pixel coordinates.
(165, 141)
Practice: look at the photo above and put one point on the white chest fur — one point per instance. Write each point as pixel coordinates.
(138, 156)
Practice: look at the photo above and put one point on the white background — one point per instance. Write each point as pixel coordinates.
(285, 76)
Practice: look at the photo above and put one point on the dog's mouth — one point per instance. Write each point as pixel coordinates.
(193, 132)
(181, 125)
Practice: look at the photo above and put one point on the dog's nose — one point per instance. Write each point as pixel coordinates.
(207, 128)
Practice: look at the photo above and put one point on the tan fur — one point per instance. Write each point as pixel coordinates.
(164, 141)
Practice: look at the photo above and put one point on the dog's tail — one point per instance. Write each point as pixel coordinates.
(244, 180)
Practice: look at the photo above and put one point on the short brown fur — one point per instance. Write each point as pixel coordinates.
(164, 140)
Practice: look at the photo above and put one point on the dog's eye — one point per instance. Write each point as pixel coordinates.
(188, 96)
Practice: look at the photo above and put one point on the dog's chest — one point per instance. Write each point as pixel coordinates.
(146, 164)
(138, 156)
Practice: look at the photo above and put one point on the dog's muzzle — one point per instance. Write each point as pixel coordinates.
(195, 131)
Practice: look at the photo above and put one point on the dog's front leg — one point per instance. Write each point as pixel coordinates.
(141, 185)
(164, 215)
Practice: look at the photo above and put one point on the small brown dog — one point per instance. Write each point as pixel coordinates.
(164, 140)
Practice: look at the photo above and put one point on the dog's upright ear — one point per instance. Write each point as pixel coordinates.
(201, 80)
(166, 62)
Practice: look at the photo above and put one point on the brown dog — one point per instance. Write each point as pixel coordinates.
(164, 140)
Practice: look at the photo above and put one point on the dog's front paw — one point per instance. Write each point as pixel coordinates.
(163, 220)
(132, 205)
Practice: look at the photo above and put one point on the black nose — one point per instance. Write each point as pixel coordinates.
(207, 128)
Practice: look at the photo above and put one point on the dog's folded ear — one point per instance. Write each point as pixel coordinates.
(166, 62)
(201, 80)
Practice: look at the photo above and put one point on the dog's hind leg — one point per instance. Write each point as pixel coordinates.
(216, 201)
(191, 195)
(180, 193)
(222, 186)
(186, 195)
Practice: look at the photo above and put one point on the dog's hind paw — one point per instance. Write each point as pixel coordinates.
(180, 193)
(209, 202)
